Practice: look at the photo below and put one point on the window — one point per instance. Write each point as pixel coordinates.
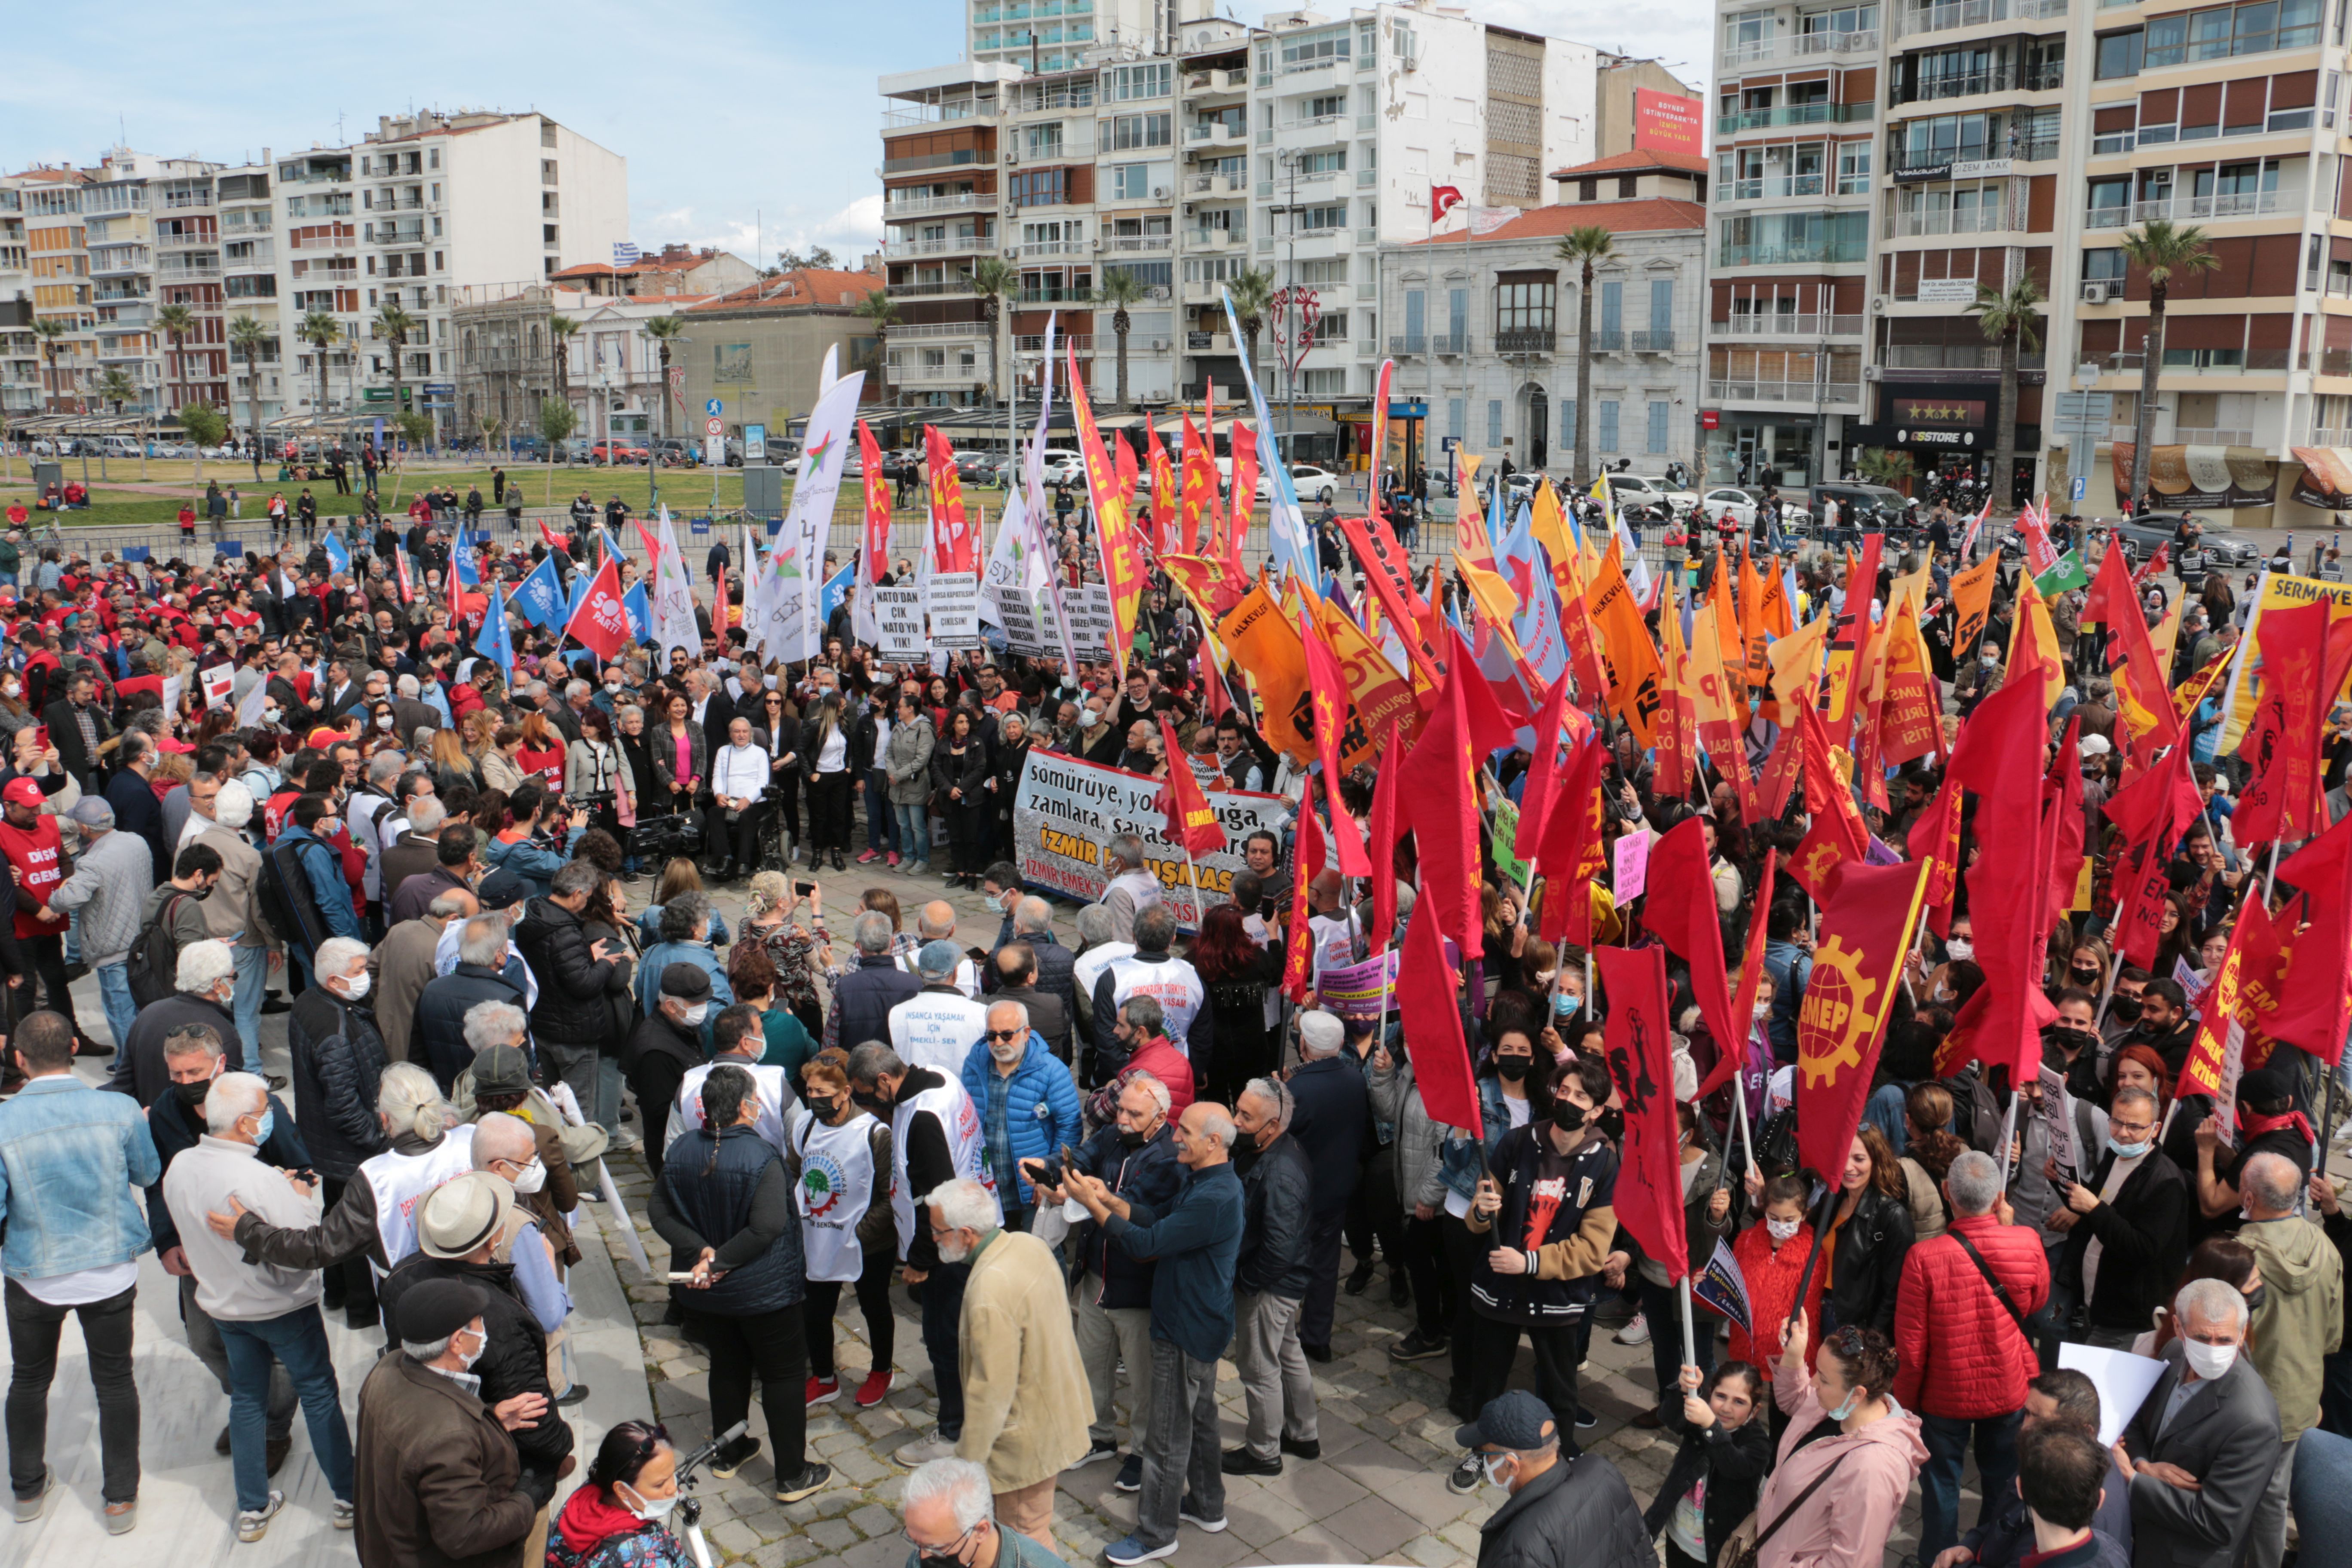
(1127, 82)
(1659, 415)
(1040, 187)
(1527, 305)
(2105, 265)
(1494, 422)
(1568, 422)
(1305, 54)
(1130, 182)
(2222, 31)
(1130, 131)
(1331, 273)
(1334, 161)
(1416, 316)
(2204, 359)
(2118, 56)
(547, 172)
(1325, 106)
(1323, 382)
(1335, 216)
(1457, 312)
(1605, 438)
(1612, 311)
(1454, 407)
(1853, 169)
(1661, 310)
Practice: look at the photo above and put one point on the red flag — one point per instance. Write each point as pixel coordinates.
(875, 554)
(557, 543)
(2266, 950)
(1191, 821)
(1826, 794)
(1543, 773)
(1382, 848)
(1649, 1196)
(1818, 856)
(1850, 636)
(1935, 840)
(1165, 497)
(1443, 813)
(1751, 969)
(954, 542)
(1865, 930)
(1780, 770)
(1679, 905)
(1306, 865)
(2113, 604)
(1999, 756)
(2150, 812)
(2062, 825)
(1242, 498)
(602, 621)
(2284, 798)
(1327, 694)
(1431, 1017)
(1199, 496)
(1571, 851)
(2315, 1002)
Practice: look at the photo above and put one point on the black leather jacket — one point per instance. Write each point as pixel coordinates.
(1868, 1265)
(1278, 1201)
(574, 989)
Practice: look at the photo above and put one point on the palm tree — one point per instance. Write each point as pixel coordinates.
(115, 388)
(49, 330)
(321, 332)
(664, 331)
(393, 324)
(1119, 289)
(1885, 465)
(995, 280)
(2009, 317)
(2160, 247)
(248, 334)
(176, 321)
(1252, 294)
(881, 312)
(1584, 246)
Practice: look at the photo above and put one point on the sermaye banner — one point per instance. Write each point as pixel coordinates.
(2207, 477)
(1067, 811)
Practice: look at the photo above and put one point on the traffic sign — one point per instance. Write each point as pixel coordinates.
(714, 426)
(714, 407)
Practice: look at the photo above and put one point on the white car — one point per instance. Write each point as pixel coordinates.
(1063, 467)
(1739, 504)
(1649, 490)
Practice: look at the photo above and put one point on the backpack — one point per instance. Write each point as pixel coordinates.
(153, 968)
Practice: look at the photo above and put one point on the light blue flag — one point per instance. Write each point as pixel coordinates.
(580, 581)
(641, 614)
(1292, 550)
(836, 588)
(338, 558)
(470, 571)
(540, 595)
(493, 642)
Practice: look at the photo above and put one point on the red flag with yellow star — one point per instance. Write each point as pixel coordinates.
(1191, 822)
(875, 552)
(1306, 865)
(1867, 922)
(1121, 561)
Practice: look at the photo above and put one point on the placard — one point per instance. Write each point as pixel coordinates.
(1362, 992)
(954, 608)
(2124, 1380)
(1629, 873)
(1067, 811)
(2058, 1121)
(899, 618)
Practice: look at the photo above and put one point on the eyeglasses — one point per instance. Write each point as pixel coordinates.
(1003, 1033)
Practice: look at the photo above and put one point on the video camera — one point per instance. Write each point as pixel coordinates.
(666, 838)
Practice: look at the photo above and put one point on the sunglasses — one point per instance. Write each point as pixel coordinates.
(1003, 1033)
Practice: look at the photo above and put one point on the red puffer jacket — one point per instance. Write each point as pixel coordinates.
(1963, 1356)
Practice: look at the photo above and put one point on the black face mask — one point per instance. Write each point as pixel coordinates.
(2085, 978)
(192, 1095)
(875, 1101)
(2124, 1007)
(821, 1110)
(1567, 1116)
(1513, 1067)
(2255, 1297)
(1132, 1140)
(1611, 1124)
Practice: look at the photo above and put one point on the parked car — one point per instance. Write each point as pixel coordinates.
(617, 452)
(1871, 509)
(677, 449)
(1652, 489)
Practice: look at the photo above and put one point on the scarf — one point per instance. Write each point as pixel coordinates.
(2253, 1124)
(591, 1516)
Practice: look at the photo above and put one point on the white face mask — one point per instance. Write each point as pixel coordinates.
(1960, 950)
(1490, 1464)
(642, 1506)
(2209, 1361)
(1782, 1229)
(696, 1013)
(531, 1177)
(356, 985)
(481, 1343)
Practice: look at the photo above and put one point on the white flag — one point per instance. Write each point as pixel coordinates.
(673, 606)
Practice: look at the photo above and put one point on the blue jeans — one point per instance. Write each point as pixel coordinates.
(881, 817)
(298, 1341)
(1947, 1438)
(114, 994)
(914, 832)
(252, 983)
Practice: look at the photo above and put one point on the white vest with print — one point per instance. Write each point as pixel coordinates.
(952, 1106)
(401, 1180)
(1172, 983)
(836, 1189)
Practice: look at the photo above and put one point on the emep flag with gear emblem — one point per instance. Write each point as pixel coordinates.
(1867, 922)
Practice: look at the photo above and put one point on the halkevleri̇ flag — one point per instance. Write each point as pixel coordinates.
(1191, 822)
(1649, 1196)
(1722, 1288)
(1866, 925)
(874, 551)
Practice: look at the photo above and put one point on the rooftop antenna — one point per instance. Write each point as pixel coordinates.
(338, 128)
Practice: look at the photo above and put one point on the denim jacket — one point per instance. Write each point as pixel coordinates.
(70, 1156)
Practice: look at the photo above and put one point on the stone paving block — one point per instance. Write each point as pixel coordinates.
(1317, 1490)
(1264, 1519)
(833, 1534)
(1375, 1527)
(873, 1519)
(861, 1468)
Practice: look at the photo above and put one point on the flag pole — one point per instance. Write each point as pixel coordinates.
(1690, 1337)
(2108, 992)
(1740, 1110)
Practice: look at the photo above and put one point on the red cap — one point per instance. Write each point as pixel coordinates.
(23, 792)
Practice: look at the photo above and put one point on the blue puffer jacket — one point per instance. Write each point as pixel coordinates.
(1040, 1105)
(535, 861)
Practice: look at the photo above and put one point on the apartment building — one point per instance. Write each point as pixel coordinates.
(678, 270)
(1484, 325)
(2026, 138)
(58, 261)
(20, 364)
(1185, 149)
(759, 351)
(249, 233)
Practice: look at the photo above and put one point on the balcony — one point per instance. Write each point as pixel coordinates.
(1657, 340)
(960, 157)
(1213, 239)
(1953, 356)
(1527, 341)
(110, 262)
(1794, 114)
(169, 239)
(184, 199)
(1970, 84)
(1216, 133)
(1217, 81)
(1607, 340)
(1034, 344)
(1761, 324)
(968, 373)
(1409, 343)
(1452, 343)
(1944, 15)
(925, 206)
(1801, 46)
(1059, 295)
(184, 268)
(1216, 186)
(1989, 219)
(1036, 248)
(907, 116)
(905, 332)
(1807, 393)
(2198, 436)
(1778, 188)
(1208, 342)
(1061, 150)
(918, 290)
(1139, 244)
(899, 248)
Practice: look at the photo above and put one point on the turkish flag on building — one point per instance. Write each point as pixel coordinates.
(1443, 199)
(602, 621)
(1649, 1196)
(1866, 927)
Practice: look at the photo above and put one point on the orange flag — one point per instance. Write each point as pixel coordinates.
(1910, 711)
(1381, 697)
(1677, 731)
(1636, 681)
(1265, 643)
(1326, 690)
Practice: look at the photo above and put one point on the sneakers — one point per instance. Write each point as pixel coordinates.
(1465, 1476)
(1242, 1462)
(1104, 1448)
(893, 859)
(731, 1458)
(252, 1524)
(346, 1516)
(823, 1391)
(28, 1509)
(1131, 1551)
(1586, 1419)
(876, 1388)
(122, 1518)
(812, 1479)
(1191, 1513)
(1131, 1473)
(924, 1450)
(1636, 1332)
(1418, 1346)
(867, 856)
(1312, 1448)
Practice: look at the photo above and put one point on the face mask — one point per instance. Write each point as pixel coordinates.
(481, 1343)
(942, 1559)
(1853, 1397)
(11, 689)
(616, 686)
(356, 985)
(268, 1121)
(1513, 1067)
(1565, 1006)
(822, 1109)
(1782, 1229)
(270, 713)
(875, 1101)
(2128, 1151)
(192, 1095)
(1960, 950)
(696, 1013)
(2085, 978)
(1491, 1463)
(2209, 1361)
(1567, 1116)
(531, 1177)
(1762, 1010)
(1088, 719)
(2256, 1297)
(2124, 1007)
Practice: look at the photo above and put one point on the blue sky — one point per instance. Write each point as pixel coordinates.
(737, 119)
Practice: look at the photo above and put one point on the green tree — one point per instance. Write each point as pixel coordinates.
(1882, 466)
(557, 420)
(1586, 247)
(664, 330)
(2160, 248)
(50, 331)
(415, 427)
(176, 321)
(1121, 289)
(2011, 317)
(248, 336)
(492, 428)
(995, 280)
(393, 325)
(321, 332)
(205, 425)
(1251, 293)
(880, 312)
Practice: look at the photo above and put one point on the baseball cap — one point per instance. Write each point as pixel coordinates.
(1516, 1420)
(502, 1070)
(501, 890)
(23, 792)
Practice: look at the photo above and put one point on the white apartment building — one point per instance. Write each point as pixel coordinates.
(20, 365)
